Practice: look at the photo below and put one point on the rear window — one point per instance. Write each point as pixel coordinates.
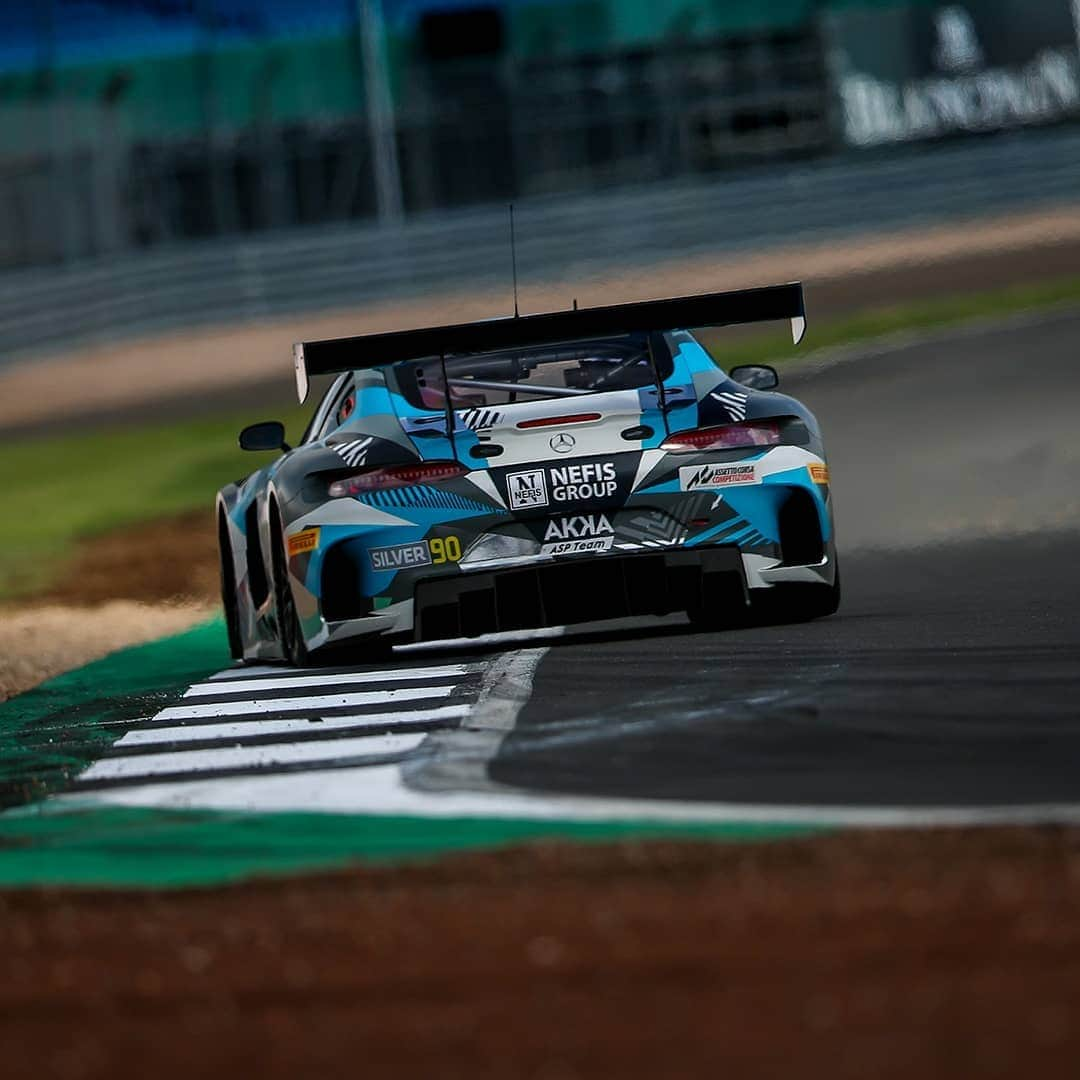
(554, 371)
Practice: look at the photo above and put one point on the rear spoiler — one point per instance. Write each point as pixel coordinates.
(678, 313)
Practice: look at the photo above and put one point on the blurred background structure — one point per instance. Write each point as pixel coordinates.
(165, 162)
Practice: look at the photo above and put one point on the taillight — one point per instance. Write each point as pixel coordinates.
(728, 437)
(561, 421)
(395, 476)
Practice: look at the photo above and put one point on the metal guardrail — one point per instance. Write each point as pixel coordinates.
(97, 302)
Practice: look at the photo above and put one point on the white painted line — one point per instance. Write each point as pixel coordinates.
(304, 704)
(185, 761)
(379, 791)
(290, 682)
(246, 728)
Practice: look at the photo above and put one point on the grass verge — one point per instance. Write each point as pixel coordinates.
(59, 491)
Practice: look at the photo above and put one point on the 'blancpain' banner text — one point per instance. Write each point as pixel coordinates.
(958, 68)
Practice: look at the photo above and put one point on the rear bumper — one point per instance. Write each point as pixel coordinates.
(570, 591)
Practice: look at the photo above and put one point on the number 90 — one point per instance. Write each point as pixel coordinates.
(448, 550)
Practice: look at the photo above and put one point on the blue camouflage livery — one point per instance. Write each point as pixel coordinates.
(629, 475)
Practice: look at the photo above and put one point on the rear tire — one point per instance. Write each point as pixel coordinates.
(789, 603)
(290, 635)
(796, 603)
(373, 651)
(228, 594)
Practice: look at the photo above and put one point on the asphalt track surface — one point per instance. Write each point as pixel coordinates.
(951, 675)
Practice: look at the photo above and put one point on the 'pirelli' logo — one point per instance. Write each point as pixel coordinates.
(302, 542)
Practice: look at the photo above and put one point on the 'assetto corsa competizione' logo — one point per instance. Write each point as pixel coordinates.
(711, 477)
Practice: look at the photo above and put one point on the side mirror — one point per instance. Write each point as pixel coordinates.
(269, 435)
(756, 376)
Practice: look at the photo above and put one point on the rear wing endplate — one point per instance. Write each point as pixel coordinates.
(677, 313)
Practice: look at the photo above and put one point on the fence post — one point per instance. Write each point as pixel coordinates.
(380, 113)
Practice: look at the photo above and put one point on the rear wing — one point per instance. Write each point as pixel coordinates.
(677, 313)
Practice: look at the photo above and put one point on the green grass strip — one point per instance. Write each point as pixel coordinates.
(53, 732)
(60, 490)
(120, 847)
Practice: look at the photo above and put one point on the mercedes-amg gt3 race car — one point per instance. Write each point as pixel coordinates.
(530, 472)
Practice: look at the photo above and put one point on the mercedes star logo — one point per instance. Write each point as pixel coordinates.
(563, 443)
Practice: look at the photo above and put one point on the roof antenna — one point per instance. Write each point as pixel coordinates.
(513, 259)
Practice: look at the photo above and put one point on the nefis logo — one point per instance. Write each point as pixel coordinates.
(527, 489)
(579, 482)
(581, 527)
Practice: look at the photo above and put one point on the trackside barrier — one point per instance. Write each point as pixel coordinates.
(48, 310)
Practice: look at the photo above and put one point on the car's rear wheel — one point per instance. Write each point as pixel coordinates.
(796, 602)
(376, 650)
(228, 593)
(290, 636)
(788, 603)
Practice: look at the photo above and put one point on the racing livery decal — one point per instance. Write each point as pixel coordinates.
(400, 555)
(735, 403)
(701, 477)
(575, 535)
(355, 451)
(479, 419)
(527, 489)
(303, 542)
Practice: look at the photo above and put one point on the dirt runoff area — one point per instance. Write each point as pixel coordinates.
(924, 954)
(48, 639)
(123, 588)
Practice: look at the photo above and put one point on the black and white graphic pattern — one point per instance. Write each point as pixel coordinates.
(480, 419)
(653, 528)
(354, 453)
(733, 402)
(245, 724)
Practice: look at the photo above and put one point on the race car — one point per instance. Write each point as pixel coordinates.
(531, 471)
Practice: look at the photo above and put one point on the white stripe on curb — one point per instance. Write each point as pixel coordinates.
(358, 678)
(247, 728)
(185, 761)
(304, 704)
